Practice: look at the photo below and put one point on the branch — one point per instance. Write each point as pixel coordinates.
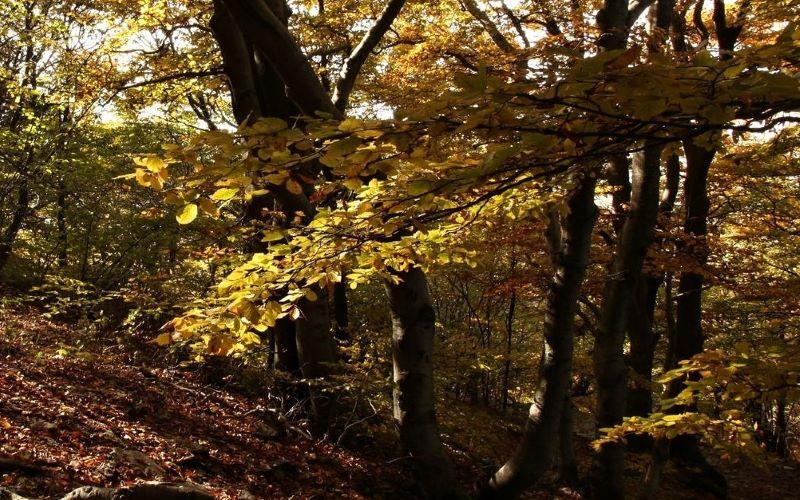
(352, 66)
(636, 10)
(272, 38)
(174, 76)
(499, 39)
(697, 19)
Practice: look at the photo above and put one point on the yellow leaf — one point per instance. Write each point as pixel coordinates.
(223, 194)
(163, 339)
(152, 163)
(186, 214)
(352, 183)
(274, 235)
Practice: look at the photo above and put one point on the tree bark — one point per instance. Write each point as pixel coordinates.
(567, 465)
(535, 453)
(642, 335)
(61, 224)
(512, 304)
(9, 236)
(609, 362)
(413, 335)
(340, 311)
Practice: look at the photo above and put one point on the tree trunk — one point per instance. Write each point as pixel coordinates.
(61, 223)
(567, 465)
(317, 353)
(286, 358)
(535, 453)
(8, 236)
(340, 312)
(642, 335)
(688, 339)
(609, 362)
(512, 304)
(690, 285)
(413, 332)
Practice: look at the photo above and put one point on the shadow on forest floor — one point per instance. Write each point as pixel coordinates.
(94, 417)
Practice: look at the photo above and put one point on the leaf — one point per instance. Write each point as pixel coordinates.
(223, 194)
(294, 187)
(208, 207)
(269, 125)
(163, 339)
(419, 187)
(151, 163)
(274, 235)
(186, 214)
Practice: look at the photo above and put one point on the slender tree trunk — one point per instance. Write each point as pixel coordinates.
(690, 286)
(512, 304)
(413, 333)
(535, 453)
(609, 362)
(61, 223)
(688, 340)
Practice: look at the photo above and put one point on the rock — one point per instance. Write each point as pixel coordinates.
(6, 494)
(266, 431)
(139, 460)
(43, 426)
(143, 491)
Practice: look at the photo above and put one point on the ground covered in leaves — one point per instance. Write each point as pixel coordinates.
(78, 407)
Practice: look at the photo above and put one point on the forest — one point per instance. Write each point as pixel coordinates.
(446, 249)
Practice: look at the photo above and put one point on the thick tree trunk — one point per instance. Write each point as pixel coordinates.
(642, 335)
(535, 453)
(258, 90)
(609, 362)
(567, 465)
(317, 353)
(340, 312)
(9, 236)
(413, 333)
(688, 339)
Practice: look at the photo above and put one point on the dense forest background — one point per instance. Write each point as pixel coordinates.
(399, 249)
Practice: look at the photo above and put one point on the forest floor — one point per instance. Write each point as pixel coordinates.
(93, 410)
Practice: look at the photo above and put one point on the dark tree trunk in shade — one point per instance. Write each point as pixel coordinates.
(534, 454)
(61, 224)
(340, 311)
(642, 334)
(618, 300)
(413, 336)
(567, 464)
(9, 235)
